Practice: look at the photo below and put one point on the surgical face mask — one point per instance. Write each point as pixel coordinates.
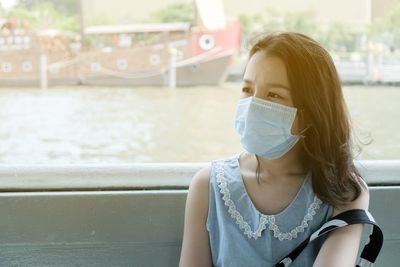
(265, 127)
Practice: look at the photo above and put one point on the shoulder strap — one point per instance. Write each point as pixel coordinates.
(349, 217)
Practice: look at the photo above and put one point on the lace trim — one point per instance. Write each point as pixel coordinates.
(264, 219)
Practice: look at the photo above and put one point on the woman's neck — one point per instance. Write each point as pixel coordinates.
(290, 164)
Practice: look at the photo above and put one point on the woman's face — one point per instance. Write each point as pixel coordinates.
(266, 77)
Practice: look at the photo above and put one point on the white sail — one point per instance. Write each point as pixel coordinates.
(211, 13)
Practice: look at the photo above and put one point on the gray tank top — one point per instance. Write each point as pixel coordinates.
(240, 235)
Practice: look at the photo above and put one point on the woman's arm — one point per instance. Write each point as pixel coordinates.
(341, 246)
(195, 246)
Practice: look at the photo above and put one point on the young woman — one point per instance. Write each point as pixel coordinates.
(296, 172)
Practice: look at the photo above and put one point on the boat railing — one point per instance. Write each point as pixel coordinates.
(131, 214)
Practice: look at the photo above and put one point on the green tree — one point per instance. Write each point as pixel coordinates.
(334, 35)
(387, 29)
(272, 21)
(303, 22)
(2, 12)
(338, 36)
(67, 7)
(46, 14)
(178, 12)
(251, 24)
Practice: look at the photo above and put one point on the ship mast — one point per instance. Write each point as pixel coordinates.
(82, 24)
(211, 13)
(195, 14)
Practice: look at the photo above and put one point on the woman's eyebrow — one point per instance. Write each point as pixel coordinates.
(269, 85)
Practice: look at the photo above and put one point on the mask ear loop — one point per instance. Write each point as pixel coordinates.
(301, 133)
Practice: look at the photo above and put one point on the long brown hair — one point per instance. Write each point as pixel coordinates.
(317, 91)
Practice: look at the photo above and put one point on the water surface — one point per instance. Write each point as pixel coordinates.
(123, 125)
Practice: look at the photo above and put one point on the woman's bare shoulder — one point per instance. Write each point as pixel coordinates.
(362, 202)
(197, 199)
(200, 181)
(195, 245)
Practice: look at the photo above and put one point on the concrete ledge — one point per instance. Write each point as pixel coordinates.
(380, 172)
(17, 178)
(130, 215)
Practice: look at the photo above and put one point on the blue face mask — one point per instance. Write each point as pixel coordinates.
(265, 127)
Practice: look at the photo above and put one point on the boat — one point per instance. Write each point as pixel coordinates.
(200, 55)
(152, 54)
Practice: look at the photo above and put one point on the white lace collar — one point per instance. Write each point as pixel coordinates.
(264, 219)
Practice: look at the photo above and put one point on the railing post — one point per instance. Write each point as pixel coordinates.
(43, 70)
(172, 67)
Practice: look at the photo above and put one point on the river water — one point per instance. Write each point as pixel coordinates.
(78, 125)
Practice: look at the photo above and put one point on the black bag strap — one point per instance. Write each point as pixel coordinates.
(349, 217)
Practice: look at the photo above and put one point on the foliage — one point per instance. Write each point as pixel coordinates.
(301, 22)
(66, 7)
(274, 21)
(2, 12)
(334, 35)
(42, 14)
(64, 15)
(387, 29)
(178, 12)
(338, 36)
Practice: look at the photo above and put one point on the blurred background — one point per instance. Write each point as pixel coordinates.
(93, 81)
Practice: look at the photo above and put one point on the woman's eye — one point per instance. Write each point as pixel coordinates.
(273, 95)
(246, 90)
